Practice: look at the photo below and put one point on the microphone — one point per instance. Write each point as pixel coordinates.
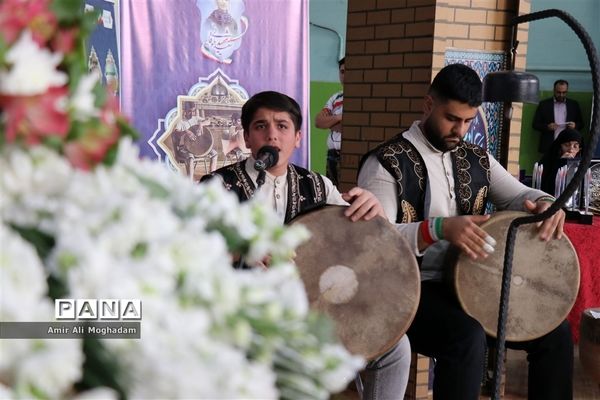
(267, 157)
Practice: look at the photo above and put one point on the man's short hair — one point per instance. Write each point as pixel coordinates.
(457, 82)
(342, 62)
(273, 101)
(560, 82)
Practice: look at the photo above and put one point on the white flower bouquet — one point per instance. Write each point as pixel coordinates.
(84, 217)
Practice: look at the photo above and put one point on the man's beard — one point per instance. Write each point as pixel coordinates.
(435, 137)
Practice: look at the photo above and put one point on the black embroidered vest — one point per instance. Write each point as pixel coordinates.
(471, 168)
(306, 189)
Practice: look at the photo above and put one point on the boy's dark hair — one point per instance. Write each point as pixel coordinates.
(272, 101)
(457, 82)
(560, 82)
(342, 62)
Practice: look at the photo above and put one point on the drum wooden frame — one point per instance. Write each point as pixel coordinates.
(544, 284)
(382, 280)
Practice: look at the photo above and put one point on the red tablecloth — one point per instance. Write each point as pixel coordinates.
(586, 240)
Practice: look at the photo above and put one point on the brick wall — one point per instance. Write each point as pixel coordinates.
(393, 50)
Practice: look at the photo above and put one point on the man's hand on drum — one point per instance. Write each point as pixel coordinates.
(464, 232)
(190, 135)
(363, 204)
(550, 227)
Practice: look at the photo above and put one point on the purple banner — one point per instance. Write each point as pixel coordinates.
(189, 65)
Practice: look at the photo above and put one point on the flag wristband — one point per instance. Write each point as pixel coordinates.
(439, 231)
(432, 230)
(426, 232)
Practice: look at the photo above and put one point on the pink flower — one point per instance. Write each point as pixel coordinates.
(98, 137)
(17, 15)
(33, 118)
(91, 148)
(64, 40)
(39, 100)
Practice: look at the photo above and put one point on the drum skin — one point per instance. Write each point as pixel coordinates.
(589, 343)
(202, 142)
(544, 284)
(387, 295)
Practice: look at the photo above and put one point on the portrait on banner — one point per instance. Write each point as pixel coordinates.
(205, 131)
(222, 28)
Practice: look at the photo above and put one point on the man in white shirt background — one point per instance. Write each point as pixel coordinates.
(330, 118)
(555, 114)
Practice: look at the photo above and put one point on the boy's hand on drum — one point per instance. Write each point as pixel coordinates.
(552, 226)
(464, 232)
(363, 204)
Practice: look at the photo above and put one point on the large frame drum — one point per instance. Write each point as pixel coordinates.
(544, 282)
(363, 275)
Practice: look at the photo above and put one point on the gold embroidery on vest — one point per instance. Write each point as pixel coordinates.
(480, 200)
(294, 193)
(484, 161)
(409, 214)
(242, 181)
(464, 179)
(318, 189)
(392, 154)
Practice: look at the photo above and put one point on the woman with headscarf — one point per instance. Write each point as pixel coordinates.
(567, 146)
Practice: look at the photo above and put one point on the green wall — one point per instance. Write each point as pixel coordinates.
(528, 154)
(320, 92)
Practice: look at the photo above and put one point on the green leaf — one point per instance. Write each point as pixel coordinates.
(57, 289)
(42, 242)
(126, 129)
(111, 156)
(140, 250)
(67, 10)
(3, 51)
(156, 189)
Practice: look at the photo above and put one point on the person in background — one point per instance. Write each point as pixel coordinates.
(567, 146)
(330, 118)
(274, 119)
(555, 114)
(434, 186)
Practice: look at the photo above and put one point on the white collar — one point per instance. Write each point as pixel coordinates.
(249, 166)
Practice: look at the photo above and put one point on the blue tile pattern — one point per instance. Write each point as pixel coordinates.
(485, 130)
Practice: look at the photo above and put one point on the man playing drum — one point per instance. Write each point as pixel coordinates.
(274, 119)
(435, 187)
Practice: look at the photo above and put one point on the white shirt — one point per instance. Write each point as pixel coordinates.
(275, 189)
(560, 117)
(506, 192)
(335, 105)
(183, 124)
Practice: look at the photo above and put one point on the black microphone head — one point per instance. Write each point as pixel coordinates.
(266, 157)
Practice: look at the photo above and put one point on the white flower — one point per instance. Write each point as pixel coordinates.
(137, 230)
(6, 392)
(33, 69)
(23, 282)
(59, 359)
(99, 393)
(347, 365)
(82, 101)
